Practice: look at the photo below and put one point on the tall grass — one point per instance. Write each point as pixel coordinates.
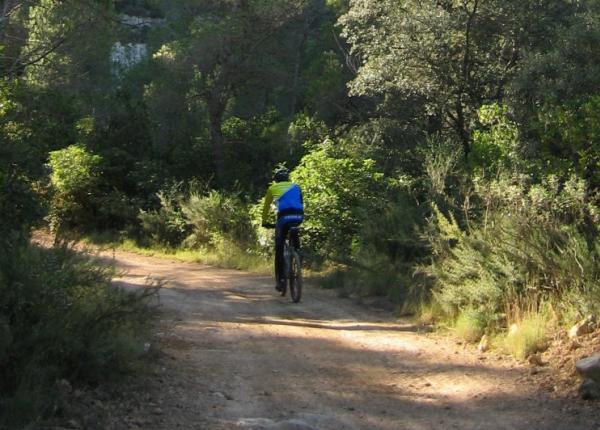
(529, 336)
(226, 255)
(470, 325)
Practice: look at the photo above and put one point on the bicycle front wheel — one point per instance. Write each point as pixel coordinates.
(295, 278)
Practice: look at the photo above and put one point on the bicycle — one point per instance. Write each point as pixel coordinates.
(292, 260)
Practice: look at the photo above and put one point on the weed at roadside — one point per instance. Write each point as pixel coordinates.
(527, 336)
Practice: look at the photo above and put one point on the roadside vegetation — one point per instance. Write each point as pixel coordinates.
(448, 152)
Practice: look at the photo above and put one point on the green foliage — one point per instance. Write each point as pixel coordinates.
(569, 138)
(529, 336)
(166, 225)
(340, 193)
(531, 243)
(386, 249)
(497, 147)
(306, 131)
(215, 217)
(75, 177)
(199, 218)
(470, 325)
(79, 65)
(326, 84)
(74, 169)
(32, 123)
(19, 210)
(455, 56)
(565, 65)
(61, 318)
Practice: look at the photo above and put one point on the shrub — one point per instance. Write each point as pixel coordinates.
(386, 249)
(528, 337)
(215, 216)
(19, 209)
(75, 176)
(167, 224)
(61, 318)
(340, 193)
(529, 244)
(470, 325)
(568, 138)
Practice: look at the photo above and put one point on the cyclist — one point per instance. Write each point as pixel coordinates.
(290, 213)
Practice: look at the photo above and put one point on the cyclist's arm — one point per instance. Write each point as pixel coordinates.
(267, 205)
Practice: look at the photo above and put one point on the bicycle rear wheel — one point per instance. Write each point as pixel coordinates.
(295, 276)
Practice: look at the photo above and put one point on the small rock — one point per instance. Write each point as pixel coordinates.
(574, 345)
(535, 360)
(584, 326)
(535, 370)
(484, 343)
(589, 367)
(589, 390)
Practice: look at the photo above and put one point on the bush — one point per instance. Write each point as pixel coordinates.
(199, 218)
(167, 224)
(528, 337)
(340, 193)
(19, 209)
(470, 325)
(75, 177)
(215, 216)
(61, 318)
(387, 248)
(530, 244)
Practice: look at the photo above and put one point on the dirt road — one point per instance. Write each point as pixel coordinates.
(234, 355)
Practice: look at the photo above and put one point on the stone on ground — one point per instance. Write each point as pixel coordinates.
(484, 343)
(590, 367)
(589, 390)
(583, 327)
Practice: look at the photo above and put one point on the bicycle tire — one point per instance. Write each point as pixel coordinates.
(295, 276)
(286, 264)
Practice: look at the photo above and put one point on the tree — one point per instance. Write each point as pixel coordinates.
(228, 48)
(456, 55)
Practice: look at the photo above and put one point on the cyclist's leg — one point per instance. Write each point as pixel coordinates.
(296, 237)
(281, 230)
(279, 239)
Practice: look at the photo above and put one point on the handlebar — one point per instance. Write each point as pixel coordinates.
(268, 225)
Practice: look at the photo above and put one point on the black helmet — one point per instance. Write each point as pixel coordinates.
(281, 175)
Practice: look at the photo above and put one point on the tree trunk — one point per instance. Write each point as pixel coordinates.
(462, 128)
(216, 109)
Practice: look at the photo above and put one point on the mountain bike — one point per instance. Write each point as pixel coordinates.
(292, 260)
